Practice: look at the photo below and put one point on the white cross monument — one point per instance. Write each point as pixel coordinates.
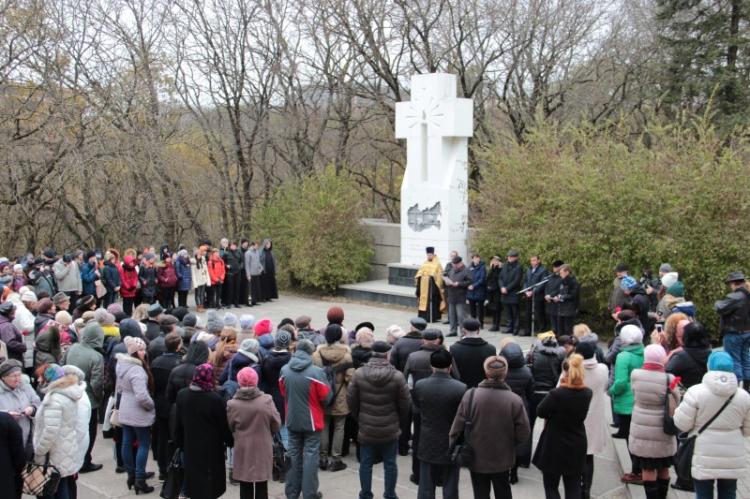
(434, 192)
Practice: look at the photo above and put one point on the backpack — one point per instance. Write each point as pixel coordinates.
(331, 372)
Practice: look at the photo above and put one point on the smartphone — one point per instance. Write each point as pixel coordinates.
(660, 328)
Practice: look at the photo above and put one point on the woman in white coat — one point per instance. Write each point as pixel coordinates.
(596, 377)
(84, 415)
(55, 435)
(719, 455)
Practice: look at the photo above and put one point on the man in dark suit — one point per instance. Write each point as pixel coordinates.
(437, 398)
(470, 353)
(510, 285)
(534, 298)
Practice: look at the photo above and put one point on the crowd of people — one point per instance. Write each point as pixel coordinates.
(242, 401)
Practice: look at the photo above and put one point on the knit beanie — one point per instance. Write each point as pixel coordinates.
(587, 349)
(247, 321)
(677, 290)
(333, 333)
(53, 373)
(88, 316)
(282, 340)
(263, 326)
(669, 279)
(720, 361)
(134, 344)
(627, 283)
(9, 367)
(305, 346)
(335, 315)
(230, 320)
(116, 310)
(365, 337)
(631, 334)
(103, 317)
(496, 367)
(247, 377)
(214, 325)
(250, 346)
(190, 320)
(64, 318)
(655, 354)
(665, 267)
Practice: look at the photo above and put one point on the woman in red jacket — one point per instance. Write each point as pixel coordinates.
(128, 284)
(217, 273)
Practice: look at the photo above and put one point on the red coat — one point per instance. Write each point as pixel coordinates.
(216, 270)
(166, 277)
(128, 278)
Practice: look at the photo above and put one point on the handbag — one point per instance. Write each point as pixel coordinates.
(175, 474)
(462, 453)
(40, 479)
(114, 417)
(101, 290)
(668, 425)
(683, 458)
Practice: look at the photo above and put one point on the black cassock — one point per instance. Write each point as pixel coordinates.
(432, 309)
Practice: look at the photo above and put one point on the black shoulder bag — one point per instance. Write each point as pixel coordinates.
(683, 458)
(462, 453)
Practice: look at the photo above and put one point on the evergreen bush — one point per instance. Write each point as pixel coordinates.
(593, 198)
(318, 239)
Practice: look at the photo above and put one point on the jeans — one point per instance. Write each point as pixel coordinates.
(456, 314)
(704, 489)
(738, 346)
(143, 435)
(430, 474)
(166, 298)
(304, 450)
(339, 424)
(571, 483)
(369, 453)
(253, 490)
(200, 296)
(214, 295)
(481, 483)
(127, 306)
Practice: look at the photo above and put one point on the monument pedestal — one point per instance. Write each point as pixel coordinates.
(402, 274)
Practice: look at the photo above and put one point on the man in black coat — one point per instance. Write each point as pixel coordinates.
(470, 353)
(417, 368)
(510, 285)
(456, 287)
(153, 322)
(551, 290)
(161, 368)
(734, 311)
(234, 263)
(534, 298)
(405, 346)
(437, 398)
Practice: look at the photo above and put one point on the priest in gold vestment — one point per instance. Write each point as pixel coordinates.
(429, 282)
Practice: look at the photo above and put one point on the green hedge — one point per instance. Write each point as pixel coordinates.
(674, 194)
(318, 239)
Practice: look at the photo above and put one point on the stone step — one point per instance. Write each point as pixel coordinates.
(380, 291)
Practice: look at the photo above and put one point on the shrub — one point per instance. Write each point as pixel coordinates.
(595, 198)
(318, 239)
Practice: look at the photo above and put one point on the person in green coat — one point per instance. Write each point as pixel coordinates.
(629, 359)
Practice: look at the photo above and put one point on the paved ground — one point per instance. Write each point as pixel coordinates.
(345, 484)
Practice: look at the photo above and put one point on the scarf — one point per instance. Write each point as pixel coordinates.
(203, 377)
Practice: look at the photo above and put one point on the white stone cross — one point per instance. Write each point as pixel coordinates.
(434, 195)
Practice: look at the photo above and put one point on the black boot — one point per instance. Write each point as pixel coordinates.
(131, 480)
(141, 487)
(651, 487)
(663, 487)
(513, 479)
